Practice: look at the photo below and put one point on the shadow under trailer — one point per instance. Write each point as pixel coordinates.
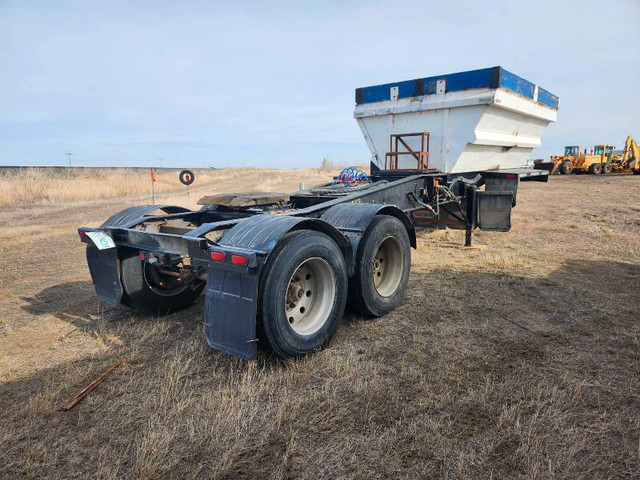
(278, 270)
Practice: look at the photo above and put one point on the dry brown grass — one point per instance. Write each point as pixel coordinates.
(518, 361)
(75, 196)
(26, 186)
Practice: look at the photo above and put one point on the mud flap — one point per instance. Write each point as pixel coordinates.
(230, 312)
(103, 265)
(494, 211)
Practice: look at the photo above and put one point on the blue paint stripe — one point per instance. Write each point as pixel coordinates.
(467, 80)
(495, 77)
(547, 98)
(427, 86)
(517, 84)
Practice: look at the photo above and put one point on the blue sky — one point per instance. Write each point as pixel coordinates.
(206, 83)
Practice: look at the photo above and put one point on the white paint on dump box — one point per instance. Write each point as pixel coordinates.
(470, 130)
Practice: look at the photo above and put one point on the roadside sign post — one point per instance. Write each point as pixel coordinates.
(153, 186)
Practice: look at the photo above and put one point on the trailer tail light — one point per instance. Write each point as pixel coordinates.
(511, 176)
(141, 255)
(218, 257)
(239, 260)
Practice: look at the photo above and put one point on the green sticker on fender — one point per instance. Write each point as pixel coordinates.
(101, 240)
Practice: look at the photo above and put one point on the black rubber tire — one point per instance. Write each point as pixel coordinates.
(274, 330)
(363, 295)
(606, 168)
(185, 173)
(140, 295)
(566, 167)
(635, 172)
(595, 169)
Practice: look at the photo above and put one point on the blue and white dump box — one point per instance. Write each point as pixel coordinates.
(486, 119)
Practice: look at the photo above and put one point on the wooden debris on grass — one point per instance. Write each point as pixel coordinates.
(69, 404)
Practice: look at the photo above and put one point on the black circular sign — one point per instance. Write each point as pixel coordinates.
(187, 177)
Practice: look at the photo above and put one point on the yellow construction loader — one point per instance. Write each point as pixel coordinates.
(599, 160)
(562, 163)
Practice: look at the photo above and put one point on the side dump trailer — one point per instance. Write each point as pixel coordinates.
(485, 119)
(277, 270)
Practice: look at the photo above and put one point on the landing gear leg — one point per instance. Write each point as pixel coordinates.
(468, 240)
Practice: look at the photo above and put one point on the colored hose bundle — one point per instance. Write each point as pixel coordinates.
(352, 175)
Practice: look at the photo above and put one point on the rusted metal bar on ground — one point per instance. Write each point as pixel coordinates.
(69, 404)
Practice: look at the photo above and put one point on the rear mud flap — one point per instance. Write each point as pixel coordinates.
(230, 312)
(494, 211)
(103, 265)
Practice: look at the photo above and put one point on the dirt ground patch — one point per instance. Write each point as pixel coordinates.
(521, 360)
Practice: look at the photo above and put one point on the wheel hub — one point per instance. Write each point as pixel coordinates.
(387, 267)
(310, 296)
(295, 292)
(162, 283)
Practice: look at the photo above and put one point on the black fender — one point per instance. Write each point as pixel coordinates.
(104, 264)
(231, 302)
(133, 215)
(354, 218)
(263, 232)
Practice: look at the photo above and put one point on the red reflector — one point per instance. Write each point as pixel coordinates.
(239, 260)
(511, 176)
(218, 257)
(83, 234)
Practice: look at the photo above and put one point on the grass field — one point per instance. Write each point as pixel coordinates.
(23, 186)
(521, 360)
